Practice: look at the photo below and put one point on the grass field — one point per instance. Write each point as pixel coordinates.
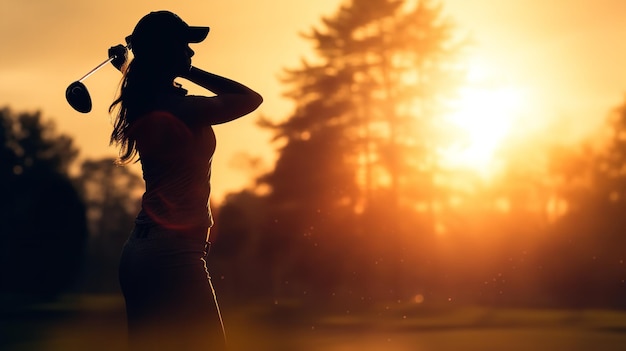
(97, 323)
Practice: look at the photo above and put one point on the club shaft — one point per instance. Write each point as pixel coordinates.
(99, 66)
(96, 69)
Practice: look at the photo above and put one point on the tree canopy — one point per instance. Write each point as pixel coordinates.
(42, 217)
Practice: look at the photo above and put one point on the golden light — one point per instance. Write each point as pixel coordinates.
(484, 114)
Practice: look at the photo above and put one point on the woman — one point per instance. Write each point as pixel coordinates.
(163, 274)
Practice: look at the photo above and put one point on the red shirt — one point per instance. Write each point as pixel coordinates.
(176, 160)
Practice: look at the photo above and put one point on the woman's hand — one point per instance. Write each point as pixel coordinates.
(119, 54)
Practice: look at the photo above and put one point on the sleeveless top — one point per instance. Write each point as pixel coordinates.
(176, 158)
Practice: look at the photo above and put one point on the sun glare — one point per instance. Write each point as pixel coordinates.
(484, 114)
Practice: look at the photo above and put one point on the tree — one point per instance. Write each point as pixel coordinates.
(359, 150)
(385, 68)
(42, 218)
(588, 238)
(112, 196)
(238, 253)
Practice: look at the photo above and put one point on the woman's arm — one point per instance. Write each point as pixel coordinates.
(231, 101)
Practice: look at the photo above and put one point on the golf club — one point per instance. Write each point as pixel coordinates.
(77, 94)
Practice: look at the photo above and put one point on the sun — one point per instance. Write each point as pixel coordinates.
(484, 115)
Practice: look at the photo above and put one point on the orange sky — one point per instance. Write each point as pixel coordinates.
(567, 54)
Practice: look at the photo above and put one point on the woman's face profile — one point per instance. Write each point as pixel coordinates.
(171, 60)
(188, 52)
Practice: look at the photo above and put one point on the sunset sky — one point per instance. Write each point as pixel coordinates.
(564, 58)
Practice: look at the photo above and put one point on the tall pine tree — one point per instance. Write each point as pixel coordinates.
(358, 152)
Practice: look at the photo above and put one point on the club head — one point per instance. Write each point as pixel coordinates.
(78, 97)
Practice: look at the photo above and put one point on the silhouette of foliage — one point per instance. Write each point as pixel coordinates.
(357, 152)
(586, 252)
(238, 250)
(112, 196)
(42, 218)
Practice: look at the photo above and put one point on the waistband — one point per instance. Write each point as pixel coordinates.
(152, 232)
(147, 228)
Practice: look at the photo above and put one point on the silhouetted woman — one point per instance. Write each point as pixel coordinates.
(169, 298)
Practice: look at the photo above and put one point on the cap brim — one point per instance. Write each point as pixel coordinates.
(197, 34)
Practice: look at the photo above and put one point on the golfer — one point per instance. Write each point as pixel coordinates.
(169, 298)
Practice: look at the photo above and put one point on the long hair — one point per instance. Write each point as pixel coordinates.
(145, 80)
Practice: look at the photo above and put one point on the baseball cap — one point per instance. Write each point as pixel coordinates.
(160, 28)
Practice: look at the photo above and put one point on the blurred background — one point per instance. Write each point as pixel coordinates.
(423, 175)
